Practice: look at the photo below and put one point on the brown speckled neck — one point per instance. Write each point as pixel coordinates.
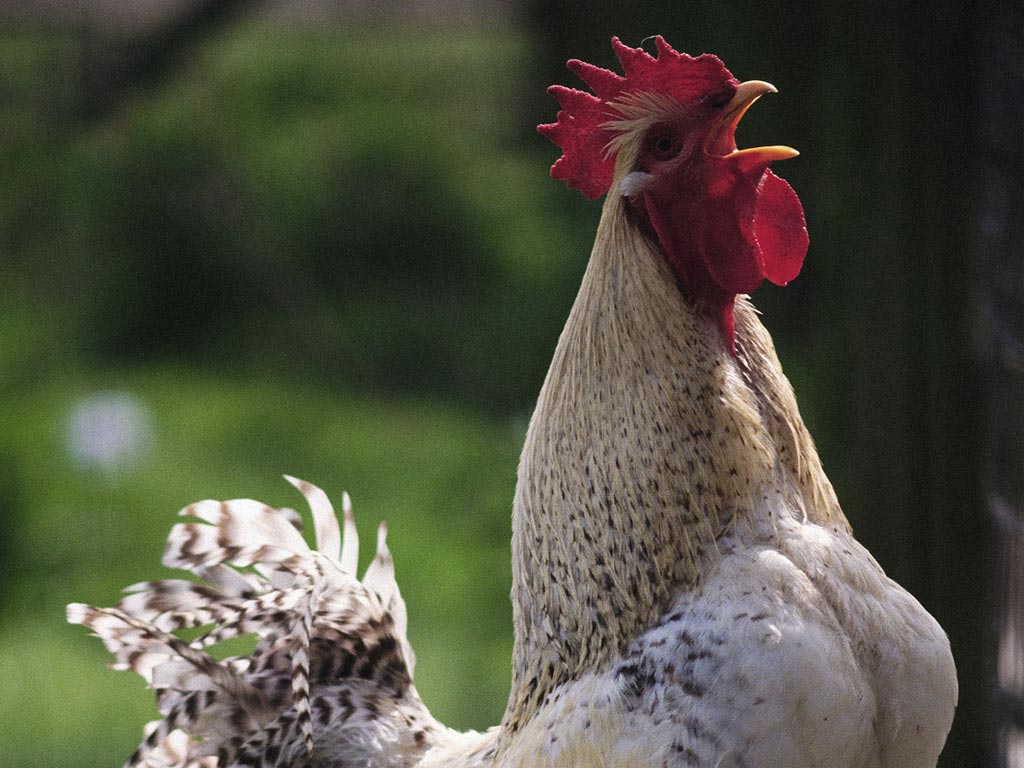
(648, 443)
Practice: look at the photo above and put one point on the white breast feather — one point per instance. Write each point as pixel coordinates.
(796, 651)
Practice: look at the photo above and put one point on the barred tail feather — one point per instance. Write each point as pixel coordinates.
(328, 536)
(331, 674)
(350, 540)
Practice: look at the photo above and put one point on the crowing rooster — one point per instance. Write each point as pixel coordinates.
(686, 589)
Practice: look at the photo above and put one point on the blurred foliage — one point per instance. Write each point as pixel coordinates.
(289, 195)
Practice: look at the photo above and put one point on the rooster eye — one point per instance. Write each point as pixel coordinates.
(664, 146)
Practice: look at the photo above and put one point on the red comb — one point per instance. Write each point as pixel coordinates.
(584, 164)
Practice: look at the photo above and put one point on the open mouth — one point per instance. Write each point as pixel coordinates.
(721, 139)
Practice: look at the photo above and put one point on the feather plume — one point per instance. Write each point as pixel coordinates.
(330, 648)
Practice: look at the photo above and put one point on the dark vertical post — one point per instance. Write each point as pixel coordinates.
(115, 65)
(1001, 295)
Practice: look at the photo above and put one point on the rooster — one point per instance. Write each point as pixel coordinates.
(686, 590)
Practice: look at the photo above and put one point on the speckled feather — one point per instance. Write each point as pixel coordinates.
(331, 676)
(653, 496)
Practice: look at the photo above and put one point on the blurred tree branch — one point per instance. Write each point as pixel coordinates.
(114, 66)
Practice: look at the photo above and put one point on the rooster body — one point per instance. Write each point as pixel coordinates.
(686, 589)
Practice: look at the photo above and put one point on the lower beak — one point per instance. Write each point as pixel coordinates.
(721, 139)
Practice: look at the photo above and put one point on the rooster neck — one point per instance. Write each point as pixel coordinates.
(649, 442)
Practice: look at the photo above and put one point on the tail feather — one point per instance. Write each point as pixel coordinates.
(242, 532)
(331, 673)
(325, 522)
(229, 581)
(350, 540)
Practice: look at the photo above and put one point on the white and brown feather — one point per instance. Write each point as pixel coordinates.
(331, 660)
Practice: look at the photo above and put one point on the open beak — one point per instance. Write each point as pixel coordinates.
(721, 139)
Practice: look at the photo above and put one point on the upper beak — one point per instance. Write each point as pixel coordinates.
(721, 139)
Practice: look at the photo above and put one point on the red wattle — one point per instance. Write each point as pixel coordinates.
(753, 228)
(727, 244)
(750, 227)
(780, 229)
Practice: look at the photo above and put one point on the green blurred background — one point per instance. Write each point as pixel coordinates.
(243, 239)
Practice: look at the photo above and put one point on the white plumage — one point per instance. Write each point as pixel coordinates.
(796, 650)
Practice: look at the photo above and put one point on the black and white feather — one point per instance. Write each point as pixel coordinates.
(330, 680)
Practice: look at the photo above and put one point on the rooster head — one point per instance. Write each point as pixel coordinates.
(663, 136)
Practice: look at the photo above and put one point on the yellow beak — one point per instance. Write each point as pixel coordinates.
(721, 139)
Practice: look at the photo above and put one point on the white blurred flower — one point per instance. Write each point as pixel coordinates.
(107, 430)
